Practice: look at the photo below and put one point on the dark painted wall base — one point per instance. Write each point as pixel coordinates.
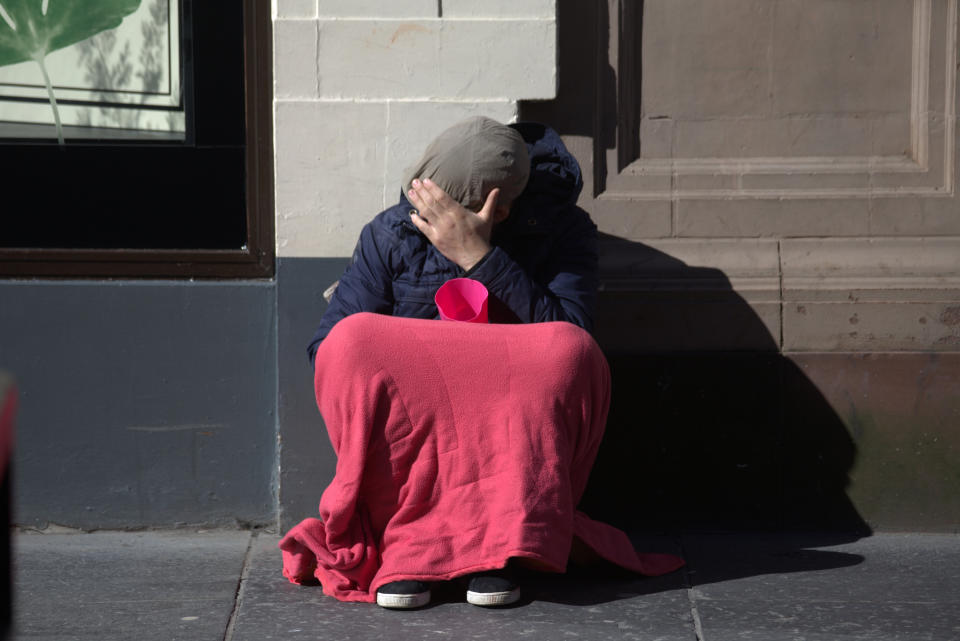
(307, 462)
(142, 403)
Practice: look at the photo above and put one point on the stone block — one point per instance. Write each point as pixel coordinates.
(295, 8)
(834, 58)
(790, 137)
(706, 59)
(500, 9)
(436, 59)
(646, 178)
(921, 183)
(688, 294)
(840, 262)
(521, 65)
(822, 181)
(929, 155)
(329, 174)
(631, 219)
(377, 8)
(854, 272)
(656, 137)
(879, 294)
(890, 134)
(900, 411)
(741, 79)
(295, 58)
(856, 326)
(772, 217)
(378, 58)
(748, 258)
(687, 182)
(915, 216)
(694, 321)
(715, 138)
(412, 125)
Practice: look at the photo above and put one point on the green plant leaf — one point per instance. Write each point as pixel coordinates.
(64, 23)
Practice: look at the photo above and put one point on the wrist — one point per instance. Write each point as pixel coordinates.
(469, 273)
(470, 262)
(473, 254)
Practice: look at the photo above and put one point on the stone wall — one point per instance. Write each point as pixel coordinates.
(361, 87)
(776, 185)
(808, 150)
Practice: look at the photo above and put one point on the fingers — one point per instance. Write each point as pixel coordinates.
(486, 213)
(431, 196)
(414, 196)
(456, 232)
(428, 209)
(423, 209)
(420, 222)
(424, 194)
(436, 194)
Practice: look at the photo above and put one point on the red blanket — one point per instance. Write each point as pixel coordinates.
(458, 447)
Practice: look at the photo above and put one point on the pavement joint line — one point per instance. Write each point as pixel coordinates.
(695, 613)
(241, 587)
(691, 596)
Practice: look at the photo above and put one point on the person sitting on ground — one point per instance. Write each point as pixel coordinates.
(463, 448)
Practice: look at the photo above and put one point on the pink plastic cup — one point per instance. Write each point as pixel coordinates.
(462, 299)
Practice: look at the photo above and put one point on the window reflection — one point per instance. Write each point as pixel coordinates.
(117, 82)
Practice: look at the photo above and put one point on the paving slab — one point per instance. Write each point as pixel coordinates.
(570, 606)
(126, 585)
(889, 587)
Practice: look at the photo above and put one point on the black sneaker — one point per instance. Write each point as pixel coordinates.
(403, 595)
(492, 589)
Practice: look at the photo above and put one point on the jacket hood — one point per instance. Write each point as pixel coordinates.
(555, 178)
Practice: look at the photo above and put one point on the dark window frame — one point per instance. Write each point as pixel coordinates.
(255, 259)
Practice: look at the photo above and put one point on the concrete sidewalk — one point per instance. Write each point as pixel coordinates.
(217, 585)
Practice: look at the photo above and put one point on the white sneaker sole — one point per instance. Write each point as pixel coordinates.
(487, 599)
(403, 601)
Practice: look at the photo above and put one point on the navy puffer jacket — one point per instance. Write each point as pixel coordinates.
(543, 266)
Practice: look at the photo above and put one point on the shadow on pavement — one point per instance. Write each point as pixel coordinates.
(711, 430)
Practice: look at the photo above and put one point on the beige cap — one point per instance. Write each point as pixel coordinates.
(471, 158)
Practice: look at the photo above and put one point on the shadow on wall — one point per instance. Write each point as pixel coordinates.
(710, 427)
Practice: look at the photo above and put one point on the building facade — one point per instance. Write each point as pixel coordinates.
(775, 183)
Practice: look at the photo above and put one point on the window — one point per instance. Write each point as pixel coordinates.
(165, 164)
